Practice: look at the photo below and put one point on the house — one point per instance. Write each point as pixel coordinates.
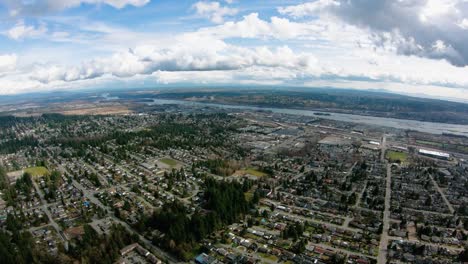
(205, 259)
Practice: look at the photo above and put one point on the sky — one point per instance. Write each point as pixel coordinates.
(411, 47)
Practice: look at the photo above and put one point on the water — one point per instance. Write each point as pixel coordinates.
(427, 127)
(108, 97)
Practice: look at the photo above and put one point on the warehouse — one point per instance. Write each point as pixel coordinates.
(434, 154)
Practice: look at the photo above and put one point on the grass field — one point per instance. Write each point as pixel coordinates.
(269, 257)
(37, 171)
(250, 171)
(255, 172)
(169, 162)
(396, 155)
(430, 143)
(248, 196)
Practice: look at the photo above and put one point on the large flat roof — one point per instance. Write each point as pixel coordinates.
(434, 153)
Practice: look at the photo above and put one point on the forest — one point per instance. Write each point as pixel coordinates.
(225, 203)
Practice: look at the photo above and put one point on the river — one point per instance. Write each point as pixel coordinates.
(428, 127)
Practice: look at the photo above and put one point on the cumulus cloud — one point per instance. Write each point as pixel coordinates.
(21, 30)
(18, 7)
(417, 23)
(281, 50)
(8, 62)
(192, 53)
(251, 26)
(308, 9)
(204, 55)
(463, 24)
(214, 11)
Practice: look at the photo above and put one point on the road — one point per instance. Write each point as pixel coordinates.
(418, 242)
(49, 215)
(35, 228)
(102, 180)
(341, 250)
(386, 219)
(309, 219)
(147, 243)
(427, 212)
(383, 146)
(386, 214)
(360, 194)
(159, 252)
(450, 207)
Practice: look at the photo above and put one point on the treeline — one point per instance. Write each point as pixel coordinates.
(22, 186)
(185, 135)
(173, 131)
(225, 204)
(95, 248)
(59, 118)
(359, 172)
(9, 120)
(79, 143)
(3, 178)
(18, 247)
(218, 166)
(52, 182)
(14, 145)
(359, 102)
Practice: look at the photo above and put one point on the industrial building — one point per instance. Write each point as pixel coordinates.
(434, 154)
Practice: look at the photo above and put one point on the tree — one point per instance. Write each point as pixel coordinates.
(464, 255)
(225, 204)
(299, 247)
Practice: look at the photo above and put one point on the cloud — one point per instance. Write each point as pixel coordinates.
(8, 62)
(21, 30)
(207, 58)
(324, 48)
(307, 9)
(19, 7)
(190, 53)
(417, 23)
(251, 26)
(214, 11)
(463, 24)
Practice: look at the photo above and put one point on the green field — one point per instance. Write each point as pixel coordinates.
(430, 143)
(269, 257)
(169, 162)
(396, 155)
(37, 171)
(255, 172)
(248, 196)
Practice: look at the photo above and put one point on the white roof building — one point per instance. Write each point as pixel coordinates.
(434, 153)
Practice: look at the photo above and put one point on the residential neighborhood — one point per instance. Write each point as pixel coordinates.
(313, 190)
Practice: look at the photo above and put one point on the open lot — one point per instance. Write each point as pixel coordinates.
(110, 110)
(396, 156)
(250, 171)
(37, 171)
(169, 162)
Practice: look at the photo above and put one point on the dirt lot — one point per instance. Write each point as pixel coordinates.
(110, 110)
